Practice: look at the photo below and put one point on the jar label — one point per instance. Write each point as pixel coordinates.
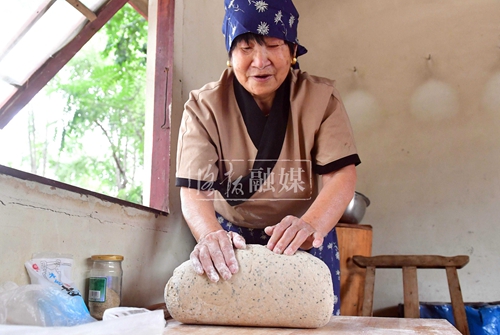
(97, 289)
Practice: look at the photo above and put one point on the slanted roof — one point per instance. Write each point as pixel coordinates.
(39, 37)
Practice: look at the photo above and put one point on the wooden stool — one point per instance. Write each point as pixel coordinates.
(410, 264)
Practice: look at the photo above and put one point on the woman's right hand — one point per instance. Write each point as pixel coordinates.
(214, 254)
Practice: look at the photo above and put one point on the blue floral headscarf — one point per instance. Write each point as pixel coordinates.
(274, 18)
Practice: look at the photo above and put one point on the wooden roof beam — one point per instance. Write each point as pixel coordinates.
(141, 6)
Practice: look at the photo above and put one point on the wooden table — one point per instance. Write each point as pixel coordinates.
(338, 325)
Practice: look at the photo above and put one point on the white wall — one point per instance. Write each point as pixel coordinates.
(37, 218)
(426, 129)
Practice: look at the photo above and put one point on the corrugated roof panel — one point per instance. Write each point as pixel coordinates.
(6, 91)
(44, 38)
(16, 17)
(32, 31)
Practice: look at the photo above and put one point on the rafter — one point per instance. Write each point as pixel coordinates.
(141, 6)
(90, 15)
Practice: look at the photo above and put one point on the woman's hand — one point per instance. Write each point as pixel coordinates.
(214, 254)
(291, 234)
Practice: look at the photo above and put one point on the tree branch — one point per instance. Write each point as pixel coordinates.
(115, 157)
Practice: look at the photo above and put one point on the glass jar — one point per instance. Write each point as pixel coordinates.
(105, 284)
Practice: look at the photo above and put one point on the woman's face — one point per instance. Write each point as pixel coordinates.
(261, 69)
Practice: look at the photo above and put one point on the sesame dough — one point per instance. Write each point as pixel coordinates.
(270, 290)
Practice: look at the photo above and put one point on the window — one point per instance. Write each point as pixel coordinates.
(16, 93)
(88, 121)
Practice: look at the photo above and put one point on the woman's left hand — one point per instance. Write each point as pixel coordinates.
(291, 234)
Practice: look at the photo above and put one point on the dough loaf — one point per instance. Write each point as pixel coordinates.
(269, 290)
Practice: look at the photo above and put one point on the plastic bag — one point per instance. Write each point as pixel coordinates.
(52, 268)
(52, 298)
(148, 323)
(483, 318)
(41, 305)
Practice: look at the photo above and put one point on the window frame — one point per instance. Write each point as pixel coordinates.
(162, 97)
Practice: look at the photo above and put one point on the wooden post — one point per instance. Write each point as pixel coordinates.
(163, 74)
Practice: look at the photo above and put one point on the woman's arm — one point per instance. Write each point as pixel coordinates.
(198, 210)
(214, 253)
(308, 231)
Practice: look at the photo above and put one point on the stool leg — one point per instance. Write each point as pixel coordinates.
(368, 292)
(410, 287)
(457, 302)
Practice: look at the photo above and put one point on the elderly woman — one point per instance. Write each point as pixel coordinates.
(266, 154)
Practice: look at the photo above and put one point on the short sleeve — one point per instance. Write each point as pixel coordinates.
(197, 157)
(334, 146)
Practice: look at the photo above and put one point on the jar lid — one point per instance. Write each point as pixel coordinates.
(106, 258)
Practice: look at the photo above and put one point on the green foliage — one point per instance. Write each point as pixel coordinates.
(102, 142)
(126, 40)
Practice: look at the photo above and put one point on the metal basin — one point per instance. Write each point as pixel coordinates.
(356, 209)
